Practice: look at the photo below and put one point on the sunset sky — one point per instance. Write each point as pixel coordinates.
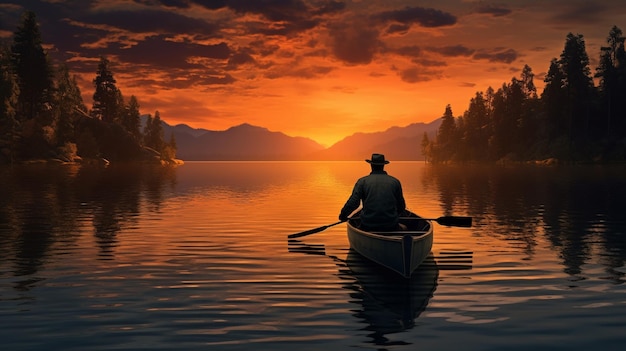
(323, 69)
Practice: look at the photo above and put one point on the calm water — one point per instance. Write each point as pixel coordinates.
(197, 258)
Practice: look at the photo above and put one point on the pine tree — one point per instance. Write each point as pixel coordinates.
(477, 128)
(446, 136)
(612, 84)
(68, 105)
(107, 97)
(579, 86)
(153, 133)
(132, 119)
(34, 72)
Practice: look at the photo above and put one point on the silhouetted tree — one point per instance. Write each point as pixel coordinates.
(107, 97)
(446, 136)
(34, 72)
(529, 124)
(612, 85)
(477, 128)
(169, 149)
(579, 86)
(153, 132)
(68, 106)
(554, 100)
(131, 119)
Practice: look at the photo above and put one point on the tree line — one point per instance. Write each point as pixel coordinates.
(43, 115)
(573, 120)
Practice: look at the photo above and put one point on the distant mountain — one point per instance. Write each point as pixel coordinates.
(248, 142)
(397, 143)
(243, 142)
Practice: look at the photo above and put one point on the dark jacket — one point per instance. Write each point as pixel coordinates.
(382, 198)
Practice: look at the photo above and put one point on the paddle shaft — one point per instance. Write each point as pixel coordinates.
(313, 231)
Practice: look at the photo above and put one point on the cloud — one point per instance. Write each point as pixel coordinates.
(467, 85)
(452, 50)
(494, 10)
(429, 63)
(285, 17)
(396, 28)
(415, 75)
(308, 72)
(410, 51)
(152, 21)
(240, 59)
(161, 52)
(586, 12)
(425, 17)
(354, 43)
(503, 56)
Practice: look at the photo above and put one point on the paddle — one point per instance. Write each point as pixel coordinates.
(312, 231)
(450, 221)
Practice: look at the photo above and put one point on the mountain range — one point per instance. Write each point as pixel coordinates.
(254, 143)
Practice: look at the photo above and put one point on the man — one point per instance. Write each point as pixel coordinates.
(381, 196)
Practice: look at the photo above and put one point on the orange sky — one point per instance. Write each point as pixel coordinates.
(323, 69)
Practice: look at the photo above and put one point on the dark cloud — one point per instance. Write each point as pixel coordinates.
(398, 28)
(287, 17)
(162, 22)
(494, 10)
(291, 11)
(425, 17)
(429, 63)
(467, 85)
(273, 10)
(240, 59)
(211, 4)
(452, 51)
(180, 79)
(161, 52)
(411, 51)
(330, 7)
(181, 4)
(575, 12)
(503, 56)
(354, 43)
(416, 75)
(282, 28)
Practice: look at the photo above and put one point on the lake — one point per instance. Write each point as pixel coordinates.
(196, 257)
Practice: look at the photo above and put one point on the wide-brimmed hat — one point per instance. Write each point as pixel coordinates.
(377, 159)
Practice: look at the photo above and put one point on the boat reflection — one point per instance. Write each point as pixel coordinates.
(388, 303)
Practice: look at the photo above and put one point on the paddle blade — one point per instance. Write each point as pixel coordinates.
(455, 221)
(312, 231)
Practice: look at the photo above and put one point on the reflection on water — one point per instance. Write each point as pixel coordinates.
(196, 257)
(579, 210)
(388, 303)
(49, 206)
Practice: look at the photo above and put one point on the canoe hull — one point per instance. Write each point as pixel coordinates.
(401, 252)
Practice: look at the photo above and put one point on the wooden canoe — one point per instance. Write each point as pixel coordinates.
(400, 251)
